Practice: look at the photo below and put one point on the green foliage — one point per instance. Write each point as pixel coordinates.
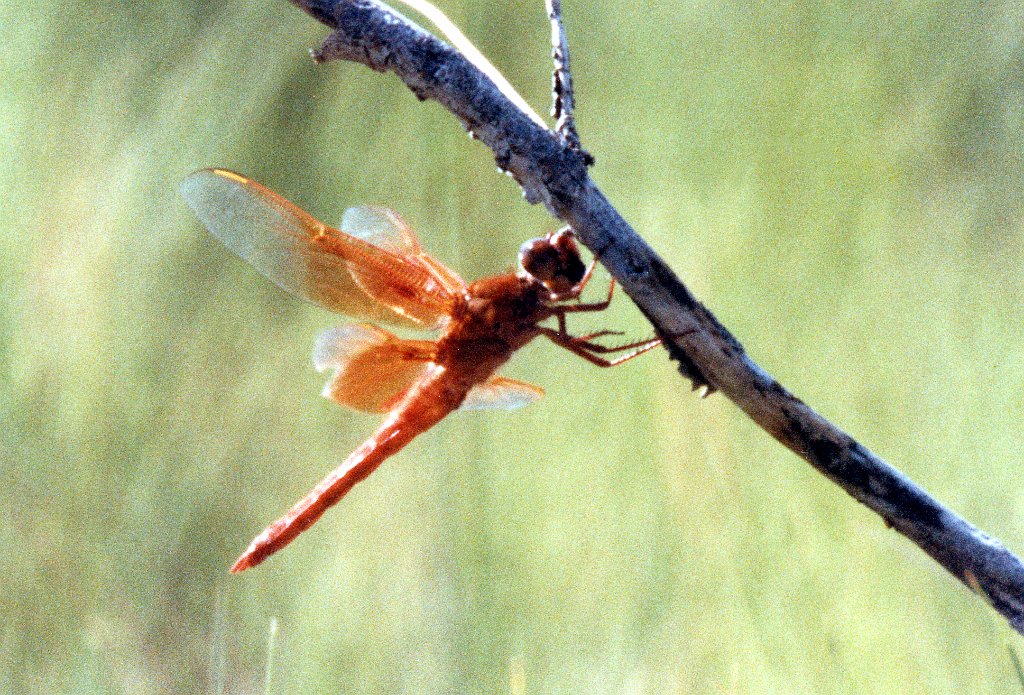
(840, 182)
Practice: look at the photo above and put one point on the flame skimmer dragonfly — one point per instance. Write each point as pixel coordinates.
(374, 269)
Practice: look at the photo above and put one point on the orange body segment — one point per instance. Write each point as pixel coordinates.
(374, 269)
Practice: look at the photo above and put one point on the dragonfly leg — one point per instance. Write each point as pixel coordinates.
(562, 310)
(591, 351)
(578, 289)
(600, 334)
(591, 306)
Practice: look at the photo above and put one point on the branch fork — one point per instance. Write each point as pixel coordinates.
(551, 168)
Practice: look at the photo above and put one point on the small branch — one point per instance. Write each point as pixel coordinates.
(563, 104)
(370, 33)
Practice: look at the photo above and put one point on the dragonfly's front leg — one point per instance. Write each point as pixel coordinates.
(561, 311)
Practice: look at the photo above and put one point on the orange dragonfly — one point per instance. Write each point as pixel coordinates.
(373, 269)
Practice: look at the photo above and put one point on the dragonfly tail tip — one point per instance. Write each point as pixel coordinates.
(241, 564)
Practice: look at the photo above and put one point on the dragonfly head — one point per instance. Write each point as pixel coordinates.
(553, 261)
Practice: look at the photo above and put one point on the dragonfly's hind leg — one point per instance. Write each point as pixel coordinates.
(591, 351)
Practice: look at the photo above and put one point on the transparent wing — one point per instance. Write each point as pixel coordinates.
(385, 228)
(372, 368)
(342, 272)
(501, 393)
(381, 227)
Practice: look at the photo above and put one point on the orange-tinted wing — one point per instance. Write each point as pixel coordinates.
(385, 228)
(372, 368)
(379, 273)
(501, 393)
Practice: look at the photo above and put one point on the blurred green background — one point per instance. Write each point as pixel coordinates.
(840, 182)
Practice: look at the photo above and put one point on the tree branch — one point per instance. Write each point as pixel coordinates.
(551, 172)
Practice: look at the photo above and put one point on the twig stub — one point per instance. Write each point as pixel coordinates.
(563, 106)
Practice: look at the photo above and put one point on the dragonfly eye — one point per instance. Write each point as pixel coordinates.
(539, 259)
(571, 266)
(553, 261)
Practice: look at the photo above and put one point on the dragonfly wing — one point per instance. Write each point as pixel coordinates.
(386, 228)
(339, 271)
(501, 393)
(381, 227)
(372, 368)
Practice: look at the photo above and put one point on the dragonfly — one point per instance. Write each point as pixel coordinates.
(373, 269)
